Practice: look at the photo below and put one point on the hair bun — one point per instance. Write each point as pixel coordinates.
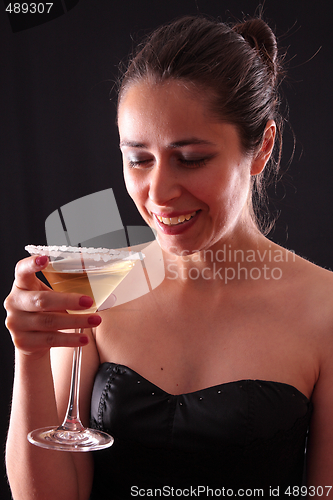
(261, 38)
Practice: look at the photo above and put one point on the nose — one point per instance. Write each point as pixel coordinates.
(164, 184)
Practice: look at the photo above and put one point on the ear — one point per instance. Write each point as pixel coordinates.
(262, 156)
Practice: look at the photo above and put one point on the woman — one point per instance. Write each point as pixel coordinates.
(206, 381)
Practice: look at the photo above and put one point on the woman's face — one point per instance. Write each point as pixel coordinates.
(184, 170)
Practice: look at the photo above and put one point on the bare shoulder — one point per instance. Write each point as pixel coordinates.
(317, 294)
(309, 268)
(311, 290)
(307, 283)
(313, 283)
(308, 298)
(313, 286)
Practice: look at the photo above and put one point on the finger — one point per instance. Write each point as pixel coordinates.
(37, 341)
(41, 300)
(26, 269)
(23, 322)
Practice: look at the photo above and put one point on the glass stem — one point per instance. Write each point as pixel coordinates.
(72, 420)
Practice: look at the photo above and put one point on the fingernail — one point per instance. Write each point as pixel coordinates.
(84, 340)
(86, 301)
(41, 260)
(94, 320)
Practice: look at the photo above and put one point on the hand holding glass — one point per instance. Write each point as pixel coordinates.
(93, 272)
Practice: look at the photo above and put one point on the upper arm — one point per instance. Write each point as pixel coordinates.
(61, 360)
(320, 446)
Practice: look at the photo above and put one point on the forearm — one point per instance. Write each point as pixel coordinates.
(34, 472)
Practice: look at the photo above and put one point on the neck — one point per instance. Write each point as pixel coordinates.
(229, 260)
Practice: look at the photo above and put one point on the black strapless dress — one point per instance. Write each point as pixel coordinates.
(239, 435)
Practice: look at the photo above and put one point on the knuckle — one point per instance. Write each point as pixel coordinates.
(7, 302)
(49, 321)
(11, 322)
(39, 301)
(10, 302)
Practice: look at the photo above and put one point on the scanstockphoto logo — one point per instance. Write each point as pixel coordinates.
(95, 221)
(228, 264)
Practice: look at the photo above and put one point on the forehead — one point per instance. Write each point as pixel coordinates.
(166, 110)
(146, 96)
(148, 89)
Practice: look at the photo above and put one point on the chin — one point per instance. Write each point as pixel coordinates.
(176, 249)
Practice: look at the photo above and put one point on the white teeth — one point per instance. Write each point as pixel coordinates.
(175, 220)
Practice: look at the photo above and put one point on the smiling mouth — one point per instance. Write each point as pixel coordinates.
(174, 221)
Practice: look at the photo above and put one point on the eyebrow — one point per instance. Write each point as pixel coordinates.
(173, 145)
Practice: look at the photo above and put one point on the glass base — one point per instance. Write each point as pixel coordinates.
(57, 438)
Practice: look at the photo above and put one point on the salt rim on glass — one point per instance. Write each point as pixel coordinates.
(97, 254)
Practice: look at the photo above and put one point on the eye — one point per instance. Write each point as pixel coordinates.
(138, 162)
(193, 163)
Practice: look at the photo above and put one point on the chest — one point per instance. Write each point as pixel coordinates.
(184, 344)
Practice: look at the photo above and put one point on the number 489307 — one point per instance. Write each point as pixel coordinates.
(29, 8)
(311, 491)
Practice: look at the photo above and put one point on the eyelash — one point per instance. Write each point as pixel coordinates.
(133, 164)
(194, 163)
(188, 163)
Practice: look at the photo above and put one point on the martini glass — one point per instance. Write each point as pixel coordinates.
(89, 271)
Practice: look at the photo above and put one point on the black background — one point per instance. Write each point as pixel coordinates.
(58, 139)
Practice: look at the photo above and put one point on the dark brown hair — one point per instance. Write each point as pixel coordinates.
(239, 67)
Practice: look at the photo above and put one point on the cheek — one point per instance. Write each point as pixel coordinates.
(225, 193)
(212, 190)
